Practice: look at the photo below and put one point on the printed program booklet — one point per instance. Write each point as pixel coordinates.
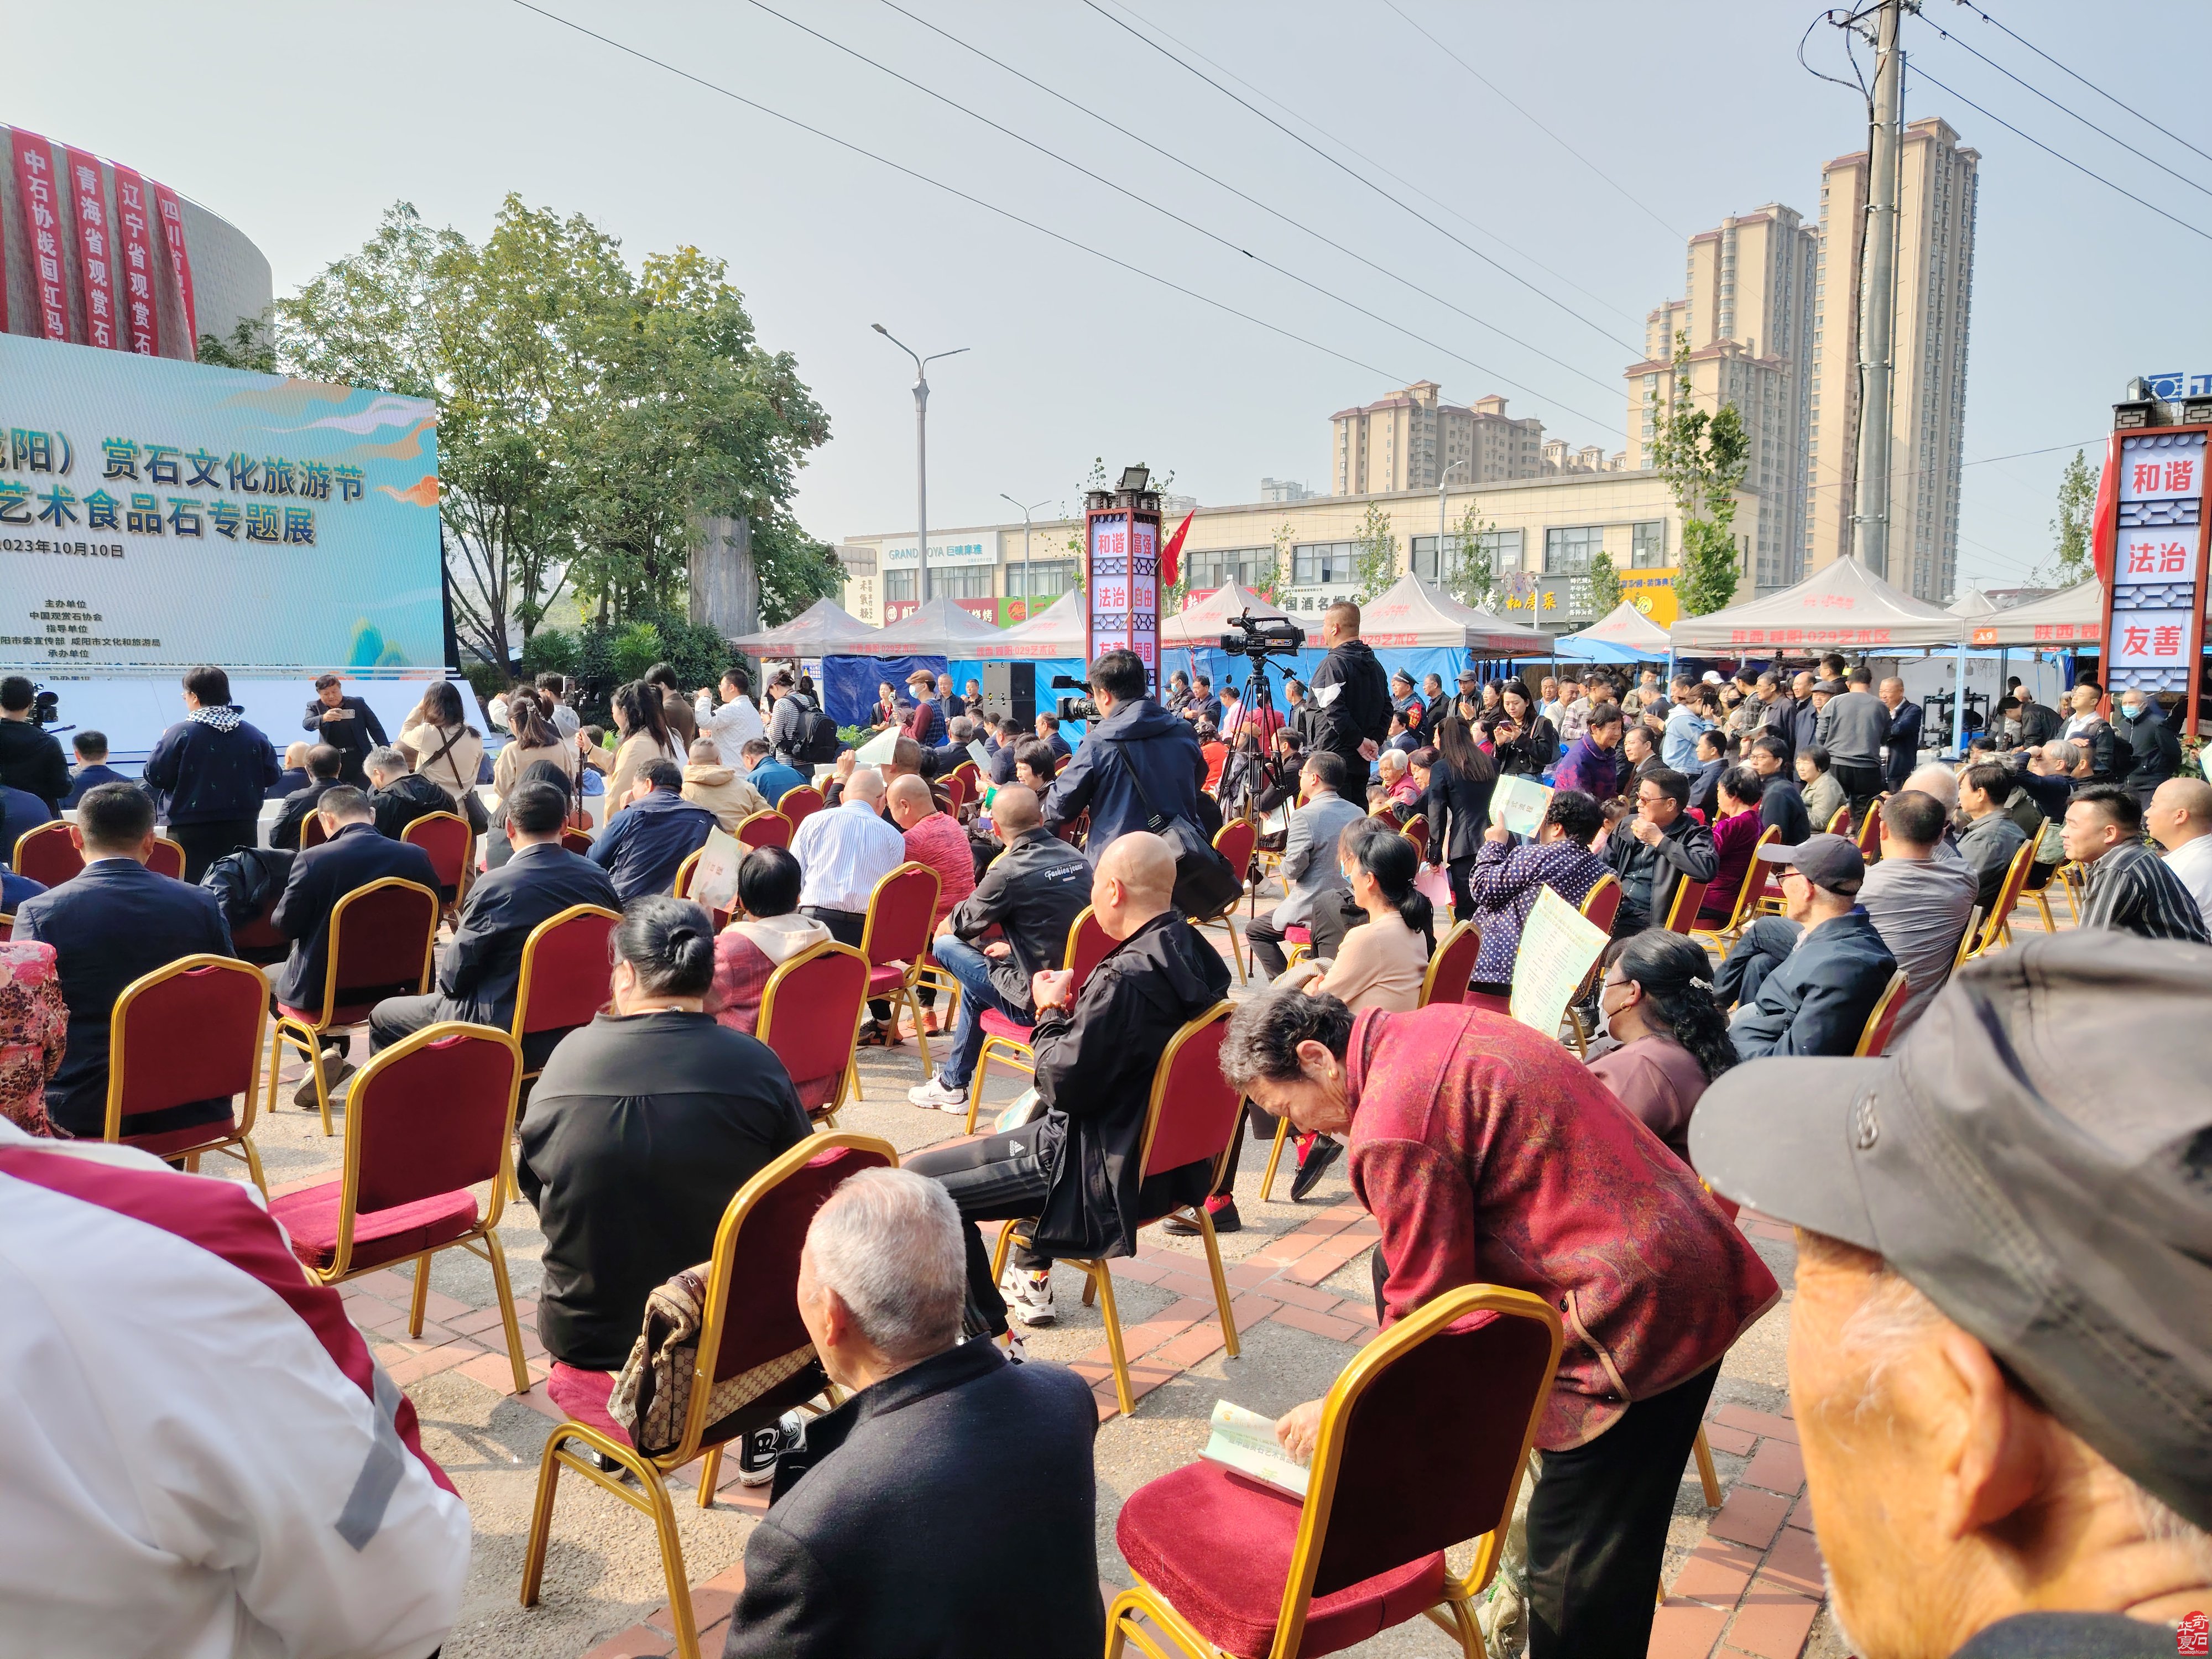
(1245, 1442)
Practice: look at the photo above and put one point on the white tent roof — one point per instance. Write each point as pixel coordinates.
(938, 629)
(1202, 624)
(1973, 603)
(1625, 626)
(2076, 616)
(1059, 631)
(1842, 604)
(1414, 613)
(823, 626)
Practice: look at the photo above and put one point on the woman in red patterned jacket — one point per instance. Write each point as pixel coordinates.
(1488, 1154)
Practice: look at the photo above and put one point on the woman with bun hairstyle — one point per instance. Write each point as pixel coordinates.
(1665, 1036)
(1378, 963)
(642, 1128)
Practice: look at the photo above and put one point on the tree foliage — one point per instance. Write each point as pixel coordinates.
(1469, 576)
(1702, 455)
(2071, 560)
(589, 416)
(1604, 583)
(1374, 554)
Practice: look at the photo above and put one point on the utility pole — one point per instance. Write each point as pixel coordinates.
(1871, 521)
(921, 458)
(1443, 479)
(1026, 527)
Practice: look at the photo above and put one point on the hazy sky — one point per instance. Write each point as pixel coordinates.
(301, 123)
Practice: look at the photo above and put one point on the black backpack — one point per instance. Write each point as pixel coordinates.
(817, 736)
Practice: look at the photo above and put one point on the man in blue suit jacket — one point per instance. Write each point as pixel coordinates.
(353, 856)
(482, 971)
(114, 923)
(646, 841)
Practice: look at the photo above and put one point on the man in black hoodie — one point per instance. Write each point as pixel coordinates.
(1073, 1171)
(1136, 759)
(1351, 695)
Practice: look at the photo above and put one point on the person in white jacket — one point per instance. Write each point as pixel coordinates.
(199, 1459)
(736, 722)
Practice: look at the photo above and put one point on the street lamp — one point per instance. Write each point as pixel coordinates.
(1445, 478)
(1025, 511)
(921, 458)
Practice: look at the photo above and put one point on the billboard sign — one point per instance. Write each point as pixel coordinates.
(2151, 636)
(972, 547)
(1123, 583)
(156, 513)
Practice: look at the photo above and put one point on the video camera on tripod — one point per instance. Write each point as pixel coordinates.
(1263, 636)
(1074, 709)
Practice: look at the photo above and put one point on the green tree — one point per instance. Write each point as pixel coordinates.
(2071, 559)
(1374, 553)
(1604, 583)
(1469, 576)
(1702, 455)
(249, 345)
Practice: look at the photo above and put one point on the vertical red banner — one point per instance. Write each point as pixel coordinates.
(34, 188)
(134, 220)
(94, 252)
(173, 233)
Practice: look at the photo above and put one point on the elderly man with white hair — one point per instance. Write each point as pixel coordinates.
(949, 1505)
(843, 854)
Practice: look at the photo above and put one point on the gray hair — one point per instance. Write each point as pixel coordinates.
(2063, 754)
(386, 759)
(962, 728)
(889, 1243)
(1264, 1034)
(1937, 780)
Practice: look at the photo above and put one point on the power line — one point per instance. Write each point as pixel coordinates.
(1296, 223)
(2118, 103)
(951, 190)
(1201, 230)
(1501, 93)
(1403, 206)
(2060, 156)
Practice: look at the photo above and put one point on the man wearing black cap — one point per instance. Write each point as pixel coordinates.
(1815, 999)
(2001, 1345)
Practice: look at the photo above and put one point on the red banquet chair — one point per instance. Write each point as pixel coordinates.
(751, 1345)
(1882, 1019)
(565, 978)
(686, 874)
(1005, 1039)
(311, 833)
(765, 828)
(809, 1014)
(1870, 835)
(1747, 896)
(446, 837)
(260, 941)
(576, 840)
(1416, 832)
(800, 803)
(958, 790)
(1190, 1119)
(187, 1032)
(1234, 840)
(1600, 906)
(1424, 1440)
(380, 942)
(901, 913)
(168, 858)
(47, 855)
(1683, 912)
(428, 1119)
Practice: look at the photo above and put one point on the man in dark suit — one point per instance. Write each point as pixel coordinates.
(348, 723)
(112, 924)
(399, 794)
(353, 856)
(323, 764)
(853, 1555)
(1901, 754)
(482, 972)
(649, 836)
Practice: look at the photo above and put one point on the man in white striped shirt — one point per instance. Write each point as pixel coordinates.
(2130, 886)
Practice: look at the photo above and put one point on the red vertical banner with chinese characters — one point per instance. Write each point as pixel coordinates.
(173, 234)
(1122, 567)
(134, 223)
(34, 188)
(95, 261)
(2154, 603)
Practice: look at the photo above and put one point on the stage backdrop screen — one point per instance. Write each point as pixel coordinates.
(156, 513)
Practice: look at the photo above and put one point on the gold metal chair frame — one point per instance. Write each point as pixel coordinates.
(649, 1497)
(1226, 920)
(1455, 1611)
(51, 827)
(1008, 1052)
(552, 924)
(482, 1240)
(468, 856)
(302, 1037)
(174, 847)
(1597, 968)
(1098, 1282)
(765, 813)
(1892, 994)
(1747, 898)
(783, 801)
(850, 1078)
(903, 993)
(236, 1142)
(1839, 821)
(1996, 929)
(1966, 940)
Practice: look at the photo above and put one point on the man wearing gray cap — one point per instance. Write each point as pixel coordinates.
(2001, 1345)
(1815, 998)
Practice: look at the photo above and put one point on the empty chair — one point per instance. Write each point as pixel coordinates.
(381, 938)
(47, 855)
(1234, 840)
(799, 804)
(810, 1015)
(1682, 912)
(446, 837)
(1995, 928)
(186, 1033)
(896, 942)
(1747, 892)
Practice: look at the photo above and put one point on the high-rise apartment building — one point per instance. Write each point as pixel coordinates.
(1411, 438)
(1746, 318)
(1937, 180)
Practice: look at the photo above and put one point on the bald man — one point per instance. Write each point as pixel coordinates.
(842, 853)
(2180, 821)
(1075, 1165)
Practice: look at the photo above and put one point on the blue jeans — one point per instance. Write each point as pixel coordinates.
(973, 969)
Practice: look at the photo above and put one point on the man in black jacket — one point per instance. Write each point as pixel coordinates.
(1351, 695)
(399, 794)
(110, 924)
(1781, 803)
(482, 972)
(1136, 759)
(215, 770)
(30, 757)
(2152, 753)
(349, 725)
(1658, 848)
(1074, 1168)
(854, 1555)
(324, 763)
(1032, 892)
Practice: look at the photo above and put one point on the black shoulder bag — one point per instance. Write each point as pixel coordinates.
(1206, 884)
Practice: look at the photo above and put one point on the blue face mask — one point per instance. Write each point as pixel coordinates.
(2127, 712)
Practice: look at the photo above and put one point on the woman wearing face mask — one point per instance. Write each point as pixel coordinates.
(1665, 1036)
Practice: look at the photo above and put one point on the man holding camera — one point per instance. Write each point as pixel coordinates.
(1351, 695)
(1136, 760)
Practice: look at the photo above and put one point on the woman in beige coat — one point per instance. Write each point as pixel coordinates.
(446, 749)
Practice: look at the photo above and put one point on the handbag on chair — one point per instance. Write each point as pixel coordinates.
(652, 1394)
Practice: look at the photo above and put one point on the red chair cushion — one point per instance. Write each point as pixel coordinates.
(885, 979)
(311, 1217)
(1001, 1025)
(1297, 934)
(583, 1396)
(168, 1143)
(1218, 1549)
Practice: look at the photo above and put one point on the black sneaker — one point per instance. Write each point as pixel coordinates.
(758, 1452)
(1323, 1152)
(1222, 1210)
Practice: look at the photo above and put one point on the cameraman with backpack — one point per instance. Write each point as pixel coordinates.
(798, 733)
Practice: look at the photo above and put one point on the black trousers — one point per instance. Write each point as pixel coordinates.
(846, 927)
(993, 1178)
(1862, 782)
(1455, 871)
(204, 843)
(1752, 958)
(1258, 1122)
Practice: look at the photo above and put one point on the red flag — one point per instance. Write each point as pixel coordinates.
(2104, 520)
(1171, 555)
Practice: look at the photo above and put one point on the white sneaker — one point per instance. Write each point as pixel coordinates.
(938, 1095)
(1029, 1295)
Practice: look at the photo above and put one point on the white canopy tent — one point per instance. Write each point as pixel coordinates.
(1972, 604)
(2076, 616)
(1842, 605)
(938, 629)
(1061, 629)
(1201, 625)
(823, 627)
(1625, 627)
(1414, 613)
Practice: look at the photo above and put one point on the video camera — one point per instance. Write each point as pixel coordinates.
(1074, 709)
(46, 708)
(1266, 636)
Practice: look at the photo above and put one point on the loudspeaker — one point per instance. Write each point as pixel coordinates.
(1009, 691)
